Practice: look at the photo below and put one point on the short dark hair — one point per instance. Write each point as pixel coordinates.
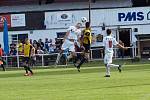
(108, 31)
(87, 24)
(0, 45)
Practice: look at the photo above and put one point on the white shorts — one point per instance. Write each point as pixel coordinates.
(108, 58)
(68, 45)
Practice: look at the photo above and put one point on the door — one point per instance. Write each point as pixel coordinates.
(125, 37)
(20, 37)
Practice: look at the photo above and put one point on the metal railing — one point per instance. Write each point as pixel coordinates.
(50, 59)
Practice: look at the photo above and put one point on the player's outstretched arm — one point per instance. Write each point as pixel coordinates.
(121, 46)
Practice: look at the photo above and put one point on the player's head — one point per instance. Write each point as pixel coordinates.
(0, 45)
(27, 41)
(78, 25)
(72, 28)
(87, 25)
(108, 31)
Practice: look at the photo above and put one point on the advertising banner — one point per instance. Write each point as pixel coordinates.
(18, 20)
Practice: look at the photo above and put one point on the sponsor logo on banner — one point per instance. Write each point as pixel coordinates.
(18, 20)
(133, 16)
(64, 17)
(8, 18)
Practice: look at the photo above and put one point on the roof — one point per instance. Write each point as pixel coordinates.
(65, 6)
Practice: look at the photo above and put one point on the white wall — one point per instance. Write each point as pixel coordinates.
(107, 16)
(42, 34)
(34, 35)
(11, 33)
(51, 34)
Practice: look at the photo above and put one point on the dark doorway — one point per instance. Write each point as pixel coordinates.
(124, 36)
(20, 37)
(61, 34)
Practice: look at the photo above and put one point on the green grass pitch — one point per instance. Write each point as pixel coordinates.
(68, 84)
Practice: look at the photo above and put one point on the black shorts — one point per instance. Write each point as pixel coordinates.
(26, 60)
(86, 47)
(1, 59)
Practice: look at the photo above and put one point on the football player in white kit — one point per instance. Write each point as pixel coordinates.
(71, 37)
(78, 33)
(109, 42)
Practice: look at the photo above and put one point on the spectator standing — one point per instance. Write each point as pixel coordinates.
(1, 60)
(40, 51)
(121, 51)
(50, 41)
(40, 44)
(13, 52)
(51, 48)
(57, 44)
(33, 56)
(31, 41)
(47, 44)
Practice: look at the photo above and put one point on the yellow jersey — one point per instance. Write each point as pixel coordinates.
(87, 36)
(20, 48)
(27, 50)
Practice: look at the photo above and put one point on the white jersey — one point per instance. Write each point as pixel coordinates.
(78, 32)
(108, 43)
(73, 36)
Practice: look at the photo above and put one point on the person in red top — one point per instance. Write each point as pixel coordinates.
(1, 60)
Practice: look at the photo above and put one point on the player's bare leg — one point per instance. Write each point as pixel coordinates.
(25, 67)
(2, 65)
(58, 57)
(29, 69)
(83, 59)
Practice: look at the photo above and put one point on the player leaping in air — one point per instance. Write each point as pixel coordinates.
(86, 40)
(73, 32)
(109, 42)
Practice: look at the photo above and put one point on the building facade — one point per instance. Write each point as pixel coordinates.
(124, 22)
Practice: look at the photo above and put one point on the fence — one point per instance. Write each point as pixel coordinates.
(50, 59)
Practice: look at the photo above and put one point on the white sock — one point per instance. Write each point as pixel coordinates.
(112, 65)
(107, 70)
(58, 58)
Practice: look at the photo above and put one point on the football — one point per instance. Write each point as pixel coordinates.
(83, 19)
